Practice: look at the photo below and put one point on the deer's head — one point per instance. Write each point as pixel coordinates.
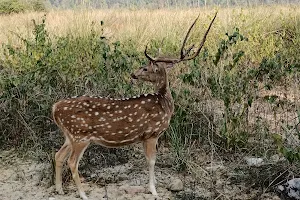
(155, 70)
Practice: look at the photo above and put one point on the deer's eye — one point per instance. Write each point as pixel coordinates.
(145, 69)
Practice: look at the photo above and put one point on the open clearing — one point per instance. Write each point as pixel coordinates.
(26, 179)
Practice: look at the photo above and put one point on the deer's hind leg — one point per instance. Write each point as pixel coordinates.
(78, 149)
(60, 157)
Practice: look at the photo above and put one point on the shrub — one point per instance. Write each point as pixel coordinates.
(11, 6)
(19, 6)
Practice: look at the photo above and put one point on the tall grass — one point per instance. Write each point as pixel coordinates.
(248, 55)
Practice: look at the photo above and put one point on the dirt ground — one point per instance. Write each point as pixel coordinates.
(27, 179)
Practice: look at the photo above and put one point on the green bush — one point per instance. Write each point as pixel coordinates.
(11, 6)
(37, 5)
(19, 6)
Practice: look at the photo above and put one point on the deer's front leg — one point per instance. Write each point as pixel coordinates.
(150, 152)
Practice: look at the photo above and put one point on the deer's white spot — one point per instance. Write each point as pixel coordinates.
(108, 126)
(145, 95)
(120, 132)
(96, 113)
(148, 100)
(135, 113)
(156, 129)
(113, 133)
(120, 111)
(117, 106)
(143, 102)
(130, 119)
(126, 128)
(135, 106)
(149, 130)
(108, 107)
(102, 119)
(157, 123)
(111, 115)
(141, 125)
(65, 108)
(95, 132)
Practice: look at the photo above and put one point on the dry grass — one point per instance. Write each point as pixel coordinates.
(141, 26)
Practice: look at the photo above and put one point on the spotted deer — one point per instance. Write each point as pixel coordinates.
(118, 122)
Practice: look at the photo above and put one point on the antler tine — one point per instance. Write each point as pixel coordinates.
(202, 42)
(182, 54)
(149, 57)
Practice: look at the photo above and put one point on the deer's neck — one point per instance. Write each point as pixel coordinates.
(163, 89)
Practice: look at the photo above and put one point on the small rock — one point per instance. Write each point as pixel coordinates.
(176, 185)
(290, 190)
(254, 161)
(132, 189)
(93, 175)
(123, 177)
